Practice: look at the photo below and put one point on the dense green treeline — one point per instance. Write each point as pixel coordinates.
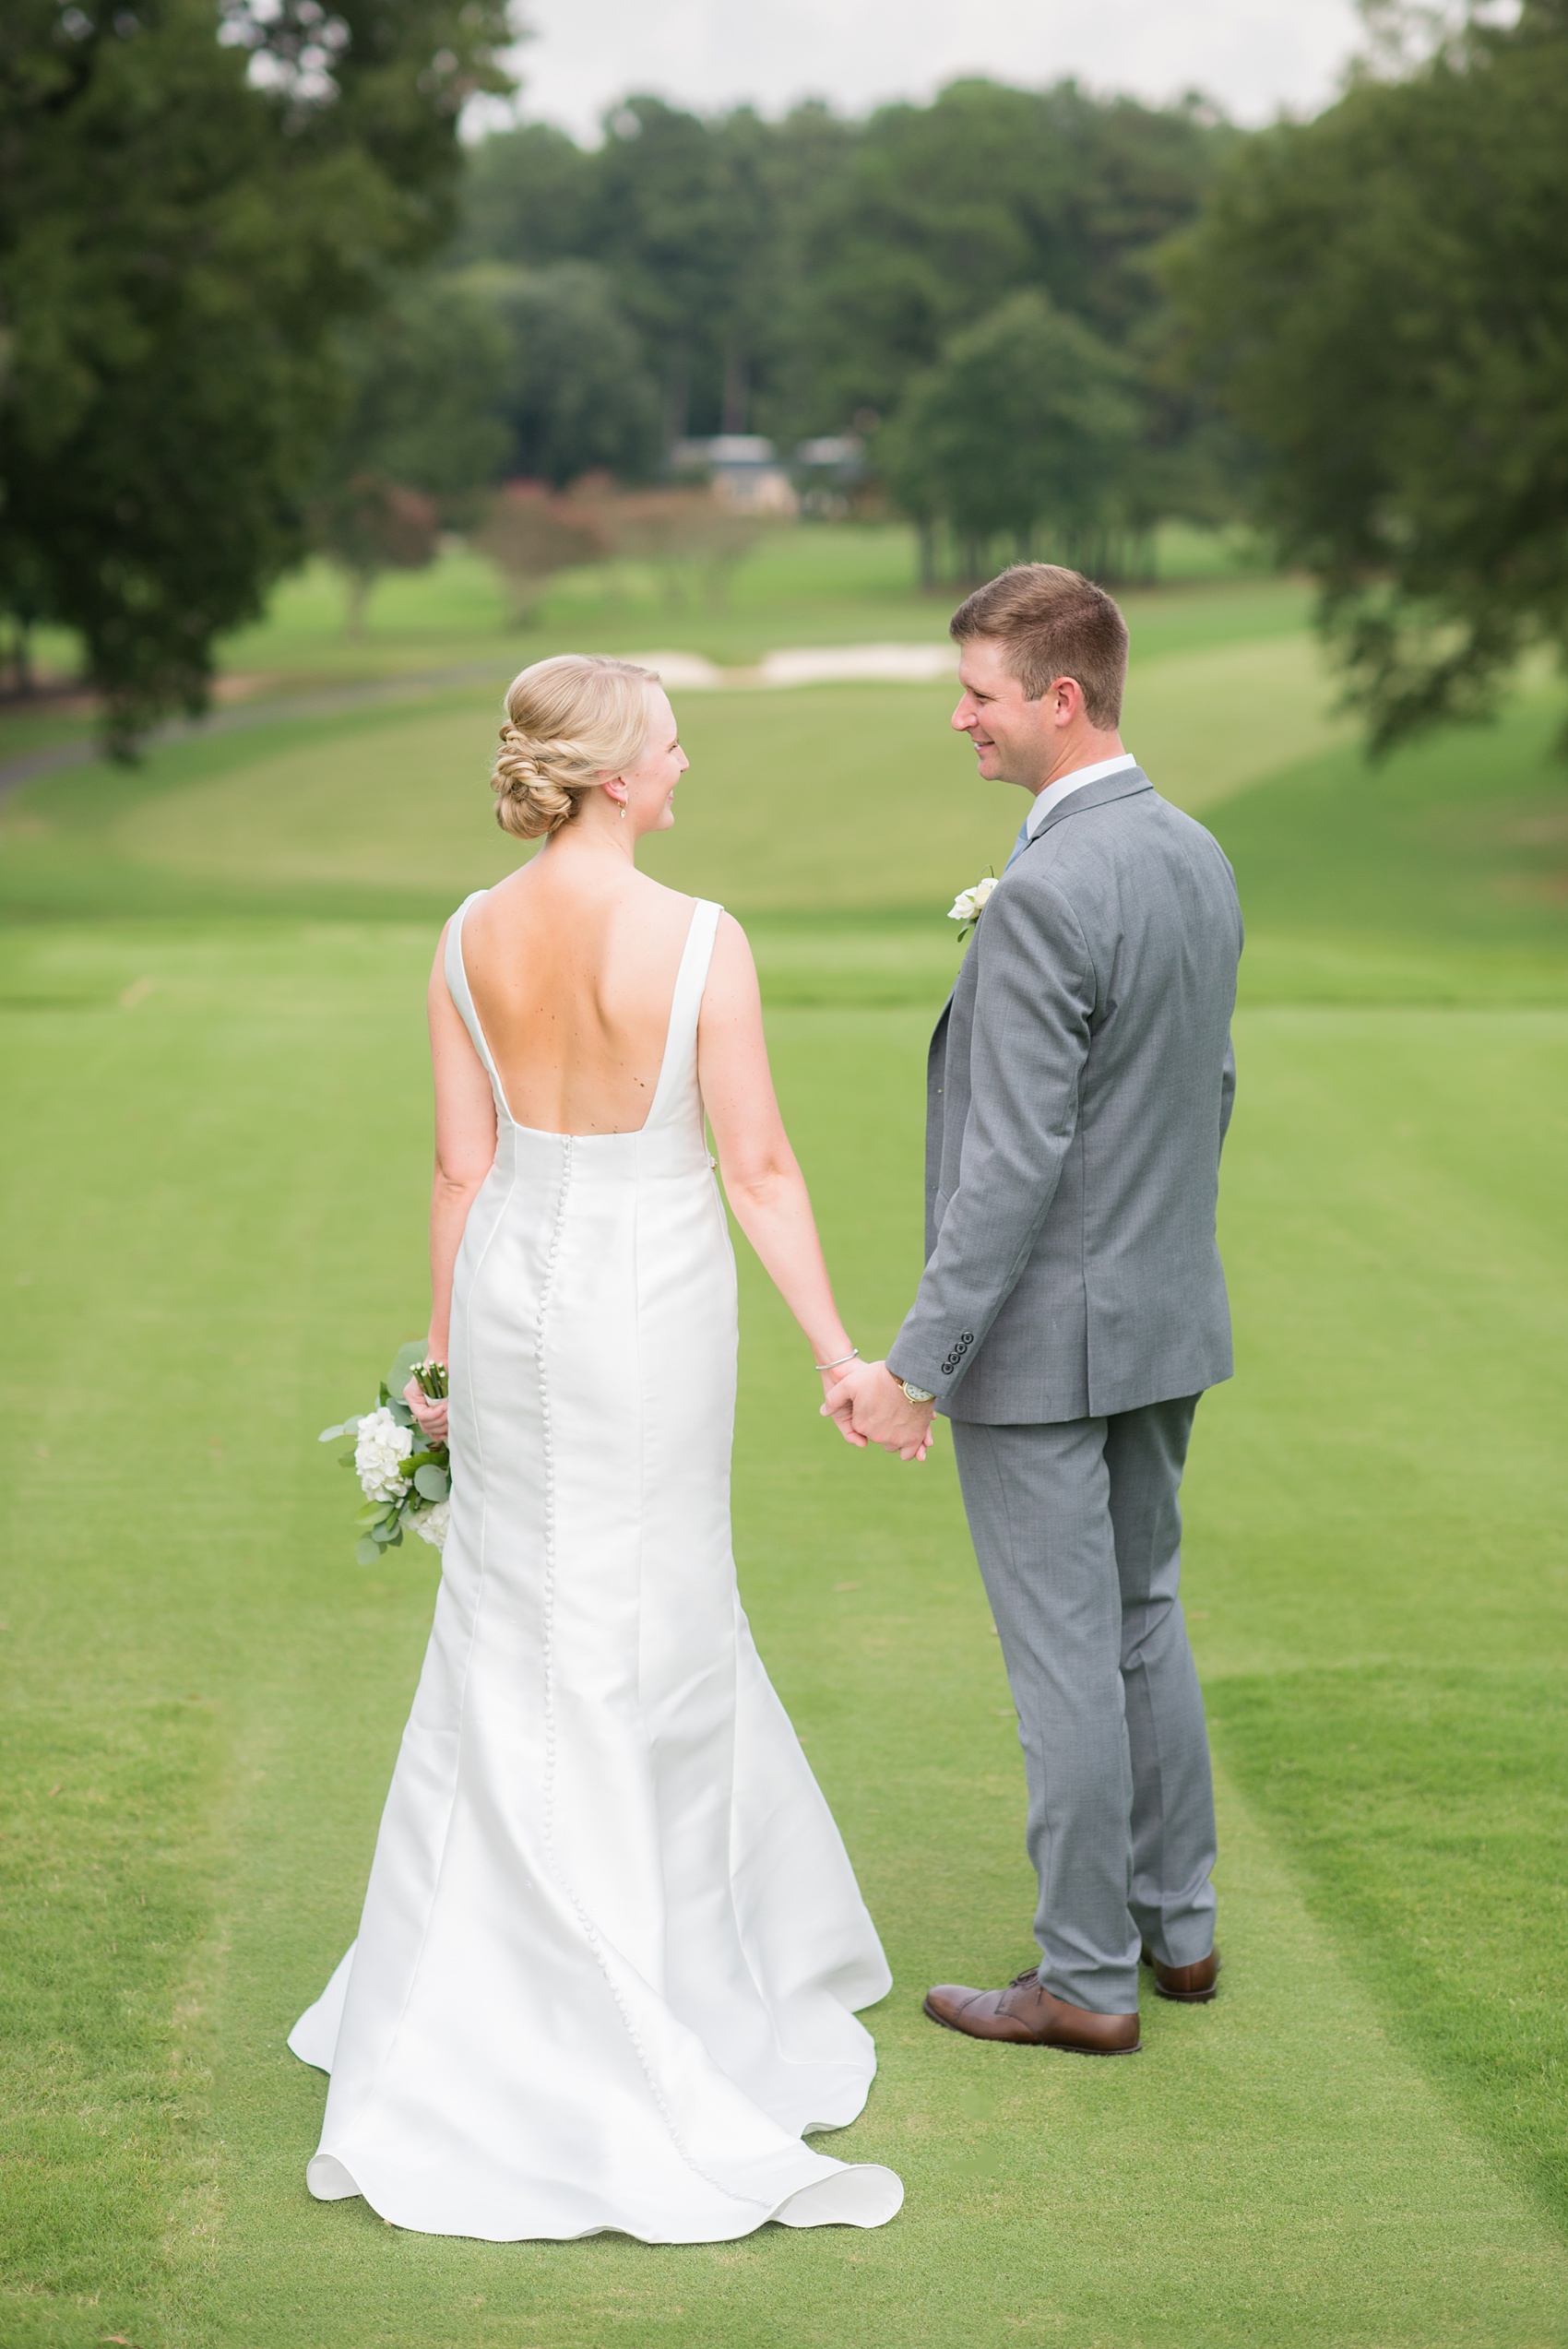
(812, 276)
(256, 295)
(785, 276)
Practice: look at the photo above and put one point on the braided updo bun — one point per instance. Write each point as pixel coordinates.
(570, 721)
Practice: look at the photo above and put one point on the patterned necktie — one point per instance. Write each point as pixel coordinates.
(1020, 844)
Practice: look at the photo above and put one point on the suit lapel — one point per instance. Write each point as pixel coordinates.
(1123, 785)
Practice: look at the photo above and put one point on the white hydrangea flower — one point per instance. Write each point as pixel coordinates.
(431, 1524)
(970, 904)
(380, 1449)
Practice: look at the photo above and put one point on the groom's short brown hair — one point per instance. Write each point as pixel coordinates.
(1052, 623)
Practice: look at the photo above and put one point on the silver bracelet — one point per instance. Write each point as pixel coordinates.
(852, 1356)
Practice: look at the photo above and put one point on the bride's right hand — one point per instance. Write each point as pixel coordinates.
(429, 1411)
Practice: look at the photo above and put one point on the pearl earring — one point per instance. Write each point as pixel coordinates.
(623, 811)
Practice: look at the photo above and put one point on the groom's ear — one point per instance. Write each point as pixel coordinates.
(1066, 697)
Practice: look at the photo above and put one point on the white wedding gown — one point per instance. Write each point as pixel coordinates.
(612, 1947)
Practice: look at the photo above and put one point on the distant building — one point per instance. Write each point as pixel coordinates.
(827, 471)
(841, 455)
(745, 469)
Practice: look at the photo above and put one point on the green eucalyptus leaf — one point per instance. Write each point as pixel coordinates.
(432, 1483)
(367, 1551)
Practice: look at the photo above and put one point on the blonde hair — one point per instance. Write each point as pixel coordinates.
(569, 720)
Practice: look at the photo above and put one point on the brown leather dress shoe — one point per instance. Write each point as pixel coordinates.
(1028, 2015)
(1190, 1985)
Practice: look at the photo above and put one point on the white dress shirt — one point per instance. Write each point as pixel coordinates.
(1054, 793)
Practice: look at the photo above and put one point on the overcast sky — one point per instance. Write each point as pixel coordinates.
(1254, 57)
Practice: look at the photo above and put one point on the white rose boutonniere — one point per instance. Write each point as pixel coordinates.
(970, 904)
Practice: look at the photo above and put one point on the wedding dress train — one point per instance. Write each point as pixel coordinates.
(612, 1946)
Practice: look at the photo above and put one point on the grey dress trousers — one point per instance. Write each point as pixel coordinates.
(1072, 1310)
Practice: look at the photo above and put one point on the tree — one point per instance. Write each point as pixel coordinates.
(369, 525)
(676, 531)
(1379, 296)
(192, 198)
(1028, 418)
(530, 534)
(421, 437)
(526, 198)
(943, 210)
(575, 393)
(786, 277)
(429, 377)
(680, 221)
(697, 225)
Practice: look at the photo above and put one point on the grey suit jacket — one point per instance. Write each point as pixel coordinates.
(1079, 1087)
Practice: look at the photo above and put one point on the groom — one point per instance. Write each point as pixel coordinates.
(1073, 1308)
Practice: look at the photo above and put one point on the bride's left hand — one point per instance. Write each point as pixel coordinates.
(842, 1413)
(869, 1406)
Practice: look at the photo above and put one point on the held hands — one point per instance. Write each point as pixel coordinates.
(868, 1405)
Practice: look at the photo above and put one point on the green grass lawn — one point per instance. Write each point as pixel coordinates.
(213, 1164)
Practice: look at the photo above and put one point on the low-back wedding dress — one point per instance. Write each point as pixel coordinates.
(612, 1947)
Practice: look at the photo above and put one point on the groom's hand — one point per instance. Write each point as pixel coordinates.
(869, 1402)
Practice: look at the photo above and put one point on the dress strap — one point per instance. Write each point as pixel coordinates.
(679, 1063)
(457, 987)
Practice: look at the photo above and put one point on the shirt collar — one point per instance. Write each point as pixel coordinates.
(1054, 793)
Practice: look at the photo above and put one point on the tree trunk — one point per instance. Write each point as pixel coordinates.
(737, 389)
(677, 393)
(21, 660)
(360, 585)
(672, 585)
(925, 538)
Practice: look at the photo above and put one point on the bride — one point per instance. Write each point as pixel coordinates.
(612, 1948)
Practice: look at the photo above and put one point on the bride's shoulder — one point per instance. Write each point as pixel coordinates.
(655, 905)
(731, 971)
(647, 892)
(459, 916)
(453, 922)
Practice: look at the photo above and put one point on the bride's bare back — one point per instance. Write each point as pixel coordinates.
(572, 965)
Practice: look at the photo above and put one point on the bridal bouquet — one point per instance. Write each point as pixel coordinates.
(405, 1476)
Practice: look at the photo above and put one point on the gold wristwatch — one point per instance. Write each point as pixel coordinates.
(915, 1394)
